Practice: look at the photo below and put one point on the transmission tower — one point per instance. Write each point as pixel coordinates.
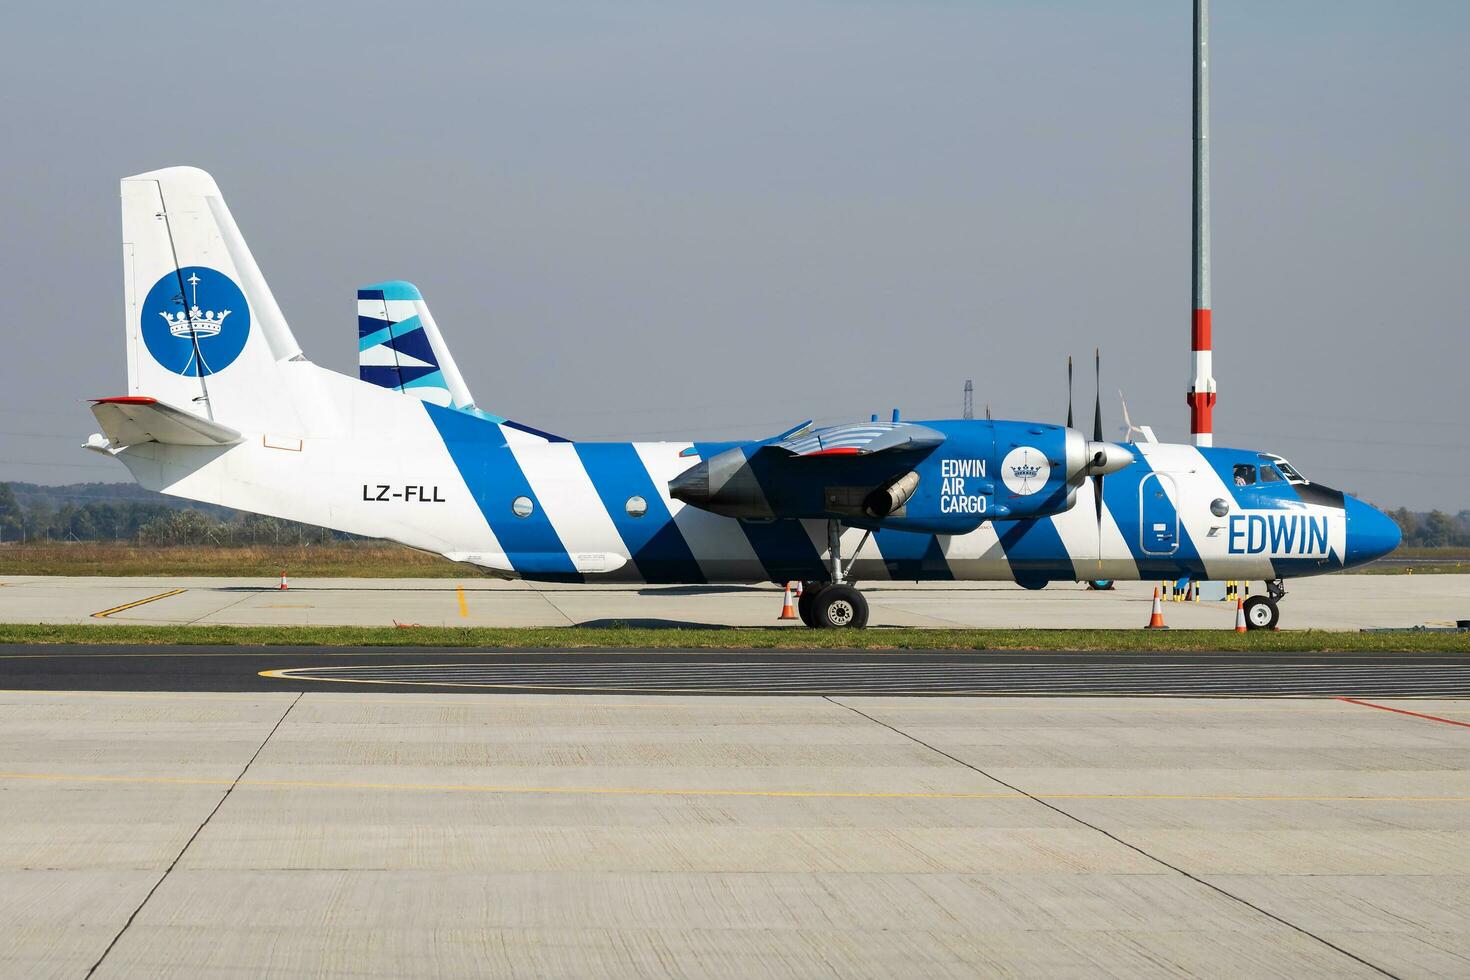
(969, 399)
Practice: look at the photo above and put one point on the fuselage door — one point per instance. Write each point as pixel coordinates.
(1158, 523)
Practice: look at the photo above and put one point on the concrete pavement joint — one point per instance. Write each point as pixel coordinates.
(226, 607)
(715, 791)
(545, 596)
(192, 837)
(1116, 839)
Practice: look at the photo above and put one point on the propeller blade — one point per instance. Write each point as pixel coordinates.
(1069, 391)
(1097, 435)
(1098, 486)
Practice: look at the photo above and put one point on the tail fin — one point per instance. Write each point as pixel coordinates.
(204, 332)
(399, 346)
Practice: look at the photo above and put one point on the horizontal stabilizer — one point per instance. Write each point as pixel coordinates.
(135, 419)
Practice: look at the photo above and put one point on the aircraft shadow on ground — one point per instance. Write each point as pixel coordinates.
(651, 624)
(698, 589)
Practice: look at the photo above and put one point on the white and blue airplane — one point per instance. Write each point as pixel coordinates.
(223, 407)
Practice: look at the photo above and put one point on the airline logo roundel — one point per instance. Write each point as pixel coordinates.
(195, 321)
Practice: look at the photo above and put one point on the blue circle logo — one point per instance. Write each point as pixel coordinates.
(195, 321)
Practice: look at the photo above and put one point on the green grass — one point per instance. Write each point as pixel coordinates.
(365, 559)
(774, 638)
(1428, 568)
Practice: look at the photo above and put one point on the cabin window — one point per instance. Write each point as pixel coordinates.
(522, 506)
(637, 506)
(1245, 474)
(1270, 475)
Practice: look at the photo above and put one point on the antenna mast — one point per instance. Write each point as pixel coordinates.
(969, 399)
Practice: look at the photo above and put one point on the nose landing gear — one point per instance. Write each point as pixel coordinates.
(1262, 612)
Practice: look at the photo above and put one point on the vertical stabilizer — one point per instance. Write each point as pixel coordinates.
(204, 333)
(399, 346)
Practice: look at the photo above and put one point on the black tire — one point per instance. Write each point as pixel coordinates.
(804, 602)
(1261, 613)
(840, 607)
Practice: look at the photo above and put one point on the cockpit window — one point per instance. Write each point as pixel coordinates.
(1289, 471)
(1245, 474)
(1269, 475)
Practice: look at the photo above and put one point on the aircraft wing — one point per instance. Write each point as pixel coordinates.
(860, 439)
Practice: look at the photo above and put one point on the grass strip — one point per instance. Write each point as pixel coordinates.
(761, 638)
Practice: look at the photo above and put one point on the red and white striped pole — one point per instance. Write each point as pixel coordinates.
(1201, 396)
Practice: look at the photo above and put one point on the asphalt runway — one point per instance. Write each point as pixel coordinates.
(730, 672)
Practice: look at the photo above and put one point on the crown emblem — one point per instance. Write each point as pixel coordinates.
(1026, 471)
(195, 322)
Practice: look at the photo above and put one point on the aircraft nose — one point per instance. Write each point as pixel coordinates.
(1370, 532)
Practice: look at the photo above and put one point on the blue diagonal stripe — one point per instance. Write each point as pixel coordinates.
(912, 556)
(654, 540)
(495, 479)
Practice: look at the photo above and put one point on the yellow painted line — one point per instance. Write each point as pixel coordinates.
(652, 703)
(129, 605)
(464, 609)
(291, 674)
(715, 791)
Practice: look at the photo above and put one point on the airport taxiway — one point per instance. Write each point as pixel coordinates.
(1330, 602)
(238, 811)
(350, 832)
(80, 667)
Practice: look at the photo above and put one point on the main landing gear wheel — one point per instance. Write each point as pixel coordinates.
(804, 603)
(839, 607)
(1261, 613)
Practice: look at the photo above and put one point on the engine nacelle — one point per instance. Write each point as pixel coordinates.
(982, 471)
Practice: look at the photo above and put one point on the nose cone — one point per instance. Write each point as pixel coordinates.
(1370, 532)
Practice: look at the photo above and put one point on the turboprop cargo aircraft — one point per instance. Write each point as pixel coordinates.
(223, 407)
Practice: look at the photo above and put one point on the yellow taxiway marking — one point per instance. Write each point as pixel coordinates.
(653, 702)
(129, 605)
(464, 609)
(297, 674)
(690, 791)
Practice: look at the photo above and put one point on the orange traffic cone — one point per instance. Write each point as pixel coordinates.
(1239, 616)
(788, 611)
(796, 591)
(1156, 619)
(284, 586)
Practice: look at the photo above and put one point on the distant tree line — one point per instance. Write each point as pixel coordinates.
(87, 512)
(1434, 529)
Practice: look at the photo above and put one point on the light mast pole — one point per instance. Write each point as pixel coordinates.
(1201, 396)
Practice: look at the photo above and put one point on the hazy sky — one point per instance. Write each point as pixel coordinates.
(658, 220)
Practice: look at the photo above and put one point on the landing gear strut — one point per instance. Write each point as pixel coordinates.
(834, 604)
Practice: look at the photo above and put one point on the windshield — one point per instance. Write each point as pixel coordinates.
(1289, 471)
